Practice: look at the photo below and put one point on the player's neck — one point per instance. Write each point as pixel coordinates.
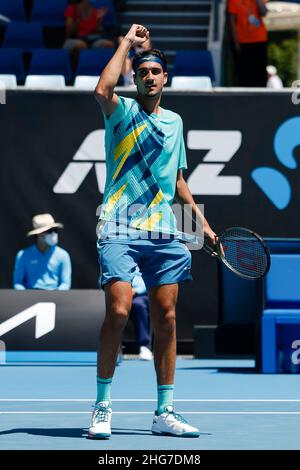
(150, 105)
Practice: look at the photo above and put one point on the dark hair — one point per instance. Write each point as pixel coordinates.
(154, 52)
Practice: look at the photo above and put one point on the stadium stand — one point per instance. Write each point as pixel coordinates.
(51, 62)
(45, 82)
(25, 35)
(49, 12)
(194, 63)
(9, 81)
(11, 62)
(191, 83)
(86, 82)
(13, 9)
(93, 61)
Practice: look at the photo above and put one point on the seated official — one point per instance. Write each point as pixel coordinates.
(43, 265)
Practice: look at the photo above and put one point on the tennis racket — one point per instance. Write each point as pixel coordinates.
(242, 251)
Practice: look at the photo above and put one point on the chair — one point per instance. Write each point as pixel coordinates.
(281, 316)
(191, 83)
(49, 12)
(11, 62)
(13, 9)
(85, 82)
(93, 61)
(194, 63)
(27, 36)
(51, 62)
(9, 81)
(45, 82)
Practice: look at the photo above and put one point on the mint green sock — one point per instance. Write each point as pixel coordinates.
(164, 397)
(103, 389)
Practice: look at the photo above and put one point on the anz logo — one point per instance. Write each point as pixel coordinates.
(206, 179)
(221, 147)
(91, 154)
(272, 182)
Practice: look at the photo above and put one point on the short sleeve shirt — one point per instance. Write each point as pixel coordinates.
(143, 155)
(249, 25)
(86, 25)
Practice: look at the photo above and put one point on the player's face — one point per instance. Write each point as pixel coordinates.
(150, 79)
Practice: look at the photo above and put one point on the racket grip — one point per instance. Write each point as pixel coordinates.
(209, 249)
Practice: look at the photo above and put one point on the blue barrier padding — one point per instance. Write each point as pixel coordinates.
(270, 320)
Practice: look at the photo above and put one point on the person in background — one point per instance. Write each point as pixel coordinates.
(274, 81)
(85, 28)
(141, 316)
(43, 265)
(249, 41)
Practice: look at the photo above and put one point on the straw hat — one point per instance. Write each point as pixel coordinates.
(42, 223)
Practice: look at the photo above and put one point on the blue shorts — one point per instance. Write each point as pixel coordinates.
(160, 261)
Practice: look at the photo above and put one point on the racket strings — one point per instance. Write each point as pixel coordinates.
(244, 252)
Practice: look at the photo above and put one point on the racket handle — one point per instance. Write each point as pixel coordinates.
(209, 249)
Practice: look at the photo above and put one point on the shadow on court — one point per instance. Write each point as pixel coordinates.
(223, 370)
(80, 433)
(54, 432)
(73, 432)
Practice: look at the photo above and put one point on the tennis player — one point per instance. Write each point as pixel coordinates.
(145, 156)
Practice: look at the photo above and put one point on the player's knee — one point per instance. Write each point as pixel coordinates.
(117, 317)
(80, 45)
(166, 321)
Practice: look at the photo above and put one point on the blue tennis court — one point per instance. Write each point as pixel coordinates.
(48, 405)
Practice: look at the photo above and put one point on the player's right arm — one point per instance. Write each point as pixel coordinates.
(104, 92)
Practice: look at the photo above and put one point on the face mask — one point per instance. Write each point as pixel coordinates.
(51, 238)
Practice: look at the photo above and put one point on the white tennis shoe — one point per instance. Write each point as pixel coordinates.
(145, 354)
(170, 423)
(101, 418)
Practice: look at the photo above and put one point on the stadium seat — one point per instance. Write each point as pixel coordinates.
(194, 63)
(11, 62)
(45, 82)
(13, 9)
(191, 83)
(110, 18)
(85, 82)
(51, 62)
(9, 81)
(49, 12)
(93, 61)
(27, 36)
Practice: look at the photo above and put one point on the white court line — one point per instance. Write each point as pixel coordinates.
(182, 400)
(151, 413)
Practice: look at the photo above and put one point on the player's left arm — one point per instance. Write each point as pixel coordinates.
(66, 273)
(184, 196)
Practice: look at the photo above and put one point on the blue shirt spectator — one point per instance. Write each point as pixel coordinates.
(43, 265)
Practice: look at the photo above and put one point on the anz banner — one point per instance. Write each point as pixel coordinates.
(243, 150)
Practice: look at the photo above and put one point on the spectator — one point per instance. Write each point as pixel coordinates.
(249, 41)
(43, 265)
(140, 316)
(274, 81)
(85, 28)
